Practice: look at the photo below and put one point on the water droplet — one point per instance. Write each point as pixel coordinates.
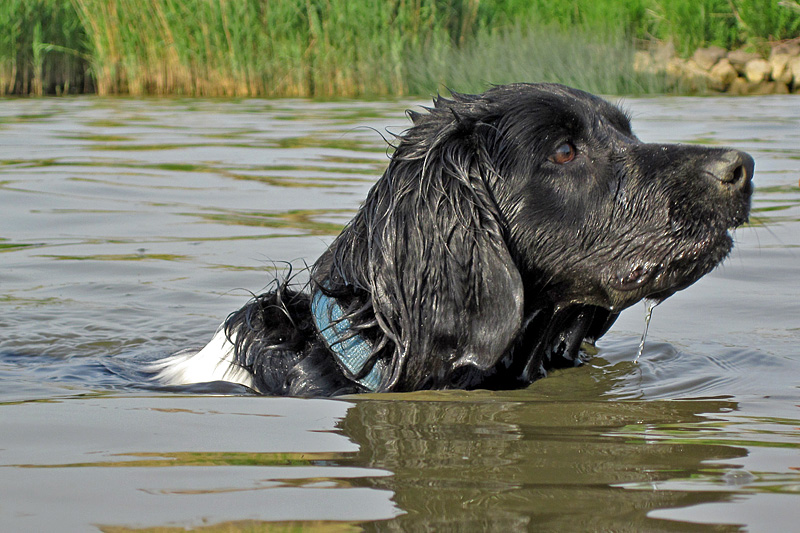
(651, 304)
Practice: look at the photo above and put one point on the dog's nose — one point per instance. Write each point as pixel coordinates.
(733, 170)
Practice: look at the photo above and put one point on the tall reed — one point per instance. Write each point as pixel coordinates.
(40, 48)
(249, 47)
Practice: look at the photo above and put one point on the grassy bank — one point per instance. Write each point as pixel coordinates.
(345, 48)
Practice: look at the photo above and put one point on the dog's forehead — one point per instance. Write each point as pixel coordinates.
(569, 105)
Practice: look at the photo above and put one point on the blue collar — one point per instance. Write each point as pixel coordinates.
(351, 349)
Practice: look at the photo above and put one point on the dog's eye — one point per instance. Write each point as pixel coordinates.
(563, 154)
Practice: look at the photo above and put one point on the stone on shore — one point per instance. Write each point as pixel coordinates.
(735, 72)
(708, 57)
(794, 67)
(779, 63)
(789, 48)
(757, 70)
(722, 75)
(739, 58)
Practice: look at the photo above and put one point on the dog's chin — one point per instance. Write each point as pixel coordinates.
(658, 279)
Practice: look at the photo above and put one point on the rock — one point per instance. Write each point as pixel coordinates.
(779, 63)
(739, 58)
(781, 88)
(696, 78)
(737, 72)
(692, 68)
(662, 53)
(794, 67)
(740, 87)
(722, 75)
(708, 57)
(757, 70)
(688, 75)
(769, 87)
(675, 67)
(655, 59)
(790, 48)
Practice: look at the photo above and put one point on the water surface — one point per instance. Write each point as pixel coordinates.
(130, 228)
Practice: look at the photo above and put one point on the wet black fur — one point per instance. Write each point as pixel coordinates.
(479, 261)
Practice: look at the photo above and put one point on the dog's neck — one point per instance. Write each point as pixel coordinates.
(352, 351)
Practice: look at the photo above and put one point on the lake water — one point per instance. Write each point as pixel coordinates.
(130, 228)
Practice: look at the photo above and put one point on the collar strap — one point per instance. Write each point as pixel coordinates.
(350, 349)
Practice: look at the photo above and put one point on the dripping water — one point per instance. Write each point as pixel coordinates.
(650, 304)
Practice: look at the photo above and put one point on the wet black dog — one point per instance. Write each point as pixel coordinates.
(509, 228)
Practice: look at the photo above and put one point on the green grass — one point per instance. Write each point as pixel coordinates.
(334, 48)
(597, 64)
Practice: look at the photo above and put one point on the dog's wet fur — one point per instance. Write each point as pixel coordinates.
(509, 230)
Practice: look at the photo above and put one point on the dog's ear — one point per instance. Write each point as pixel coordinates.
(429, 246)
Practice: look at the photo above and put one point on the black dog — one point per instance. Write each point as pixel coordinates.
(509, 228)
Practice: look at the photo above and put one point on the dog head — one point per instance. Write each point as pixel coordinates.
(604, 218)
(531, 207)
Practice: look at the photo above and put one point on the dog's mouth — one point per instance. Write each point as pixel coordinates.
(634, 277)
(683, 265)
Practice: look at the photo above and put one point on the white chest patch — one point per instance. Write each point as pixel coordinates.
(213, 363)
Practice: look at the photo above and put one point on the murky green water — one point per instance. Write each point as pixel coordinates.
(130, 229)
